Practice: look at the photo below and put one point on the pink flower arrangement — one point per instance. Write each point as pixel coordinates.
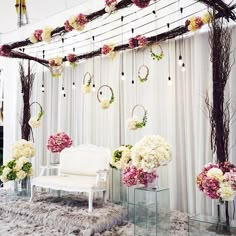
(67, 26)
(71, 58)
(5, 50)
(38, 34)
(137, 41)
(141, 3)
(58, 142)
(133, 176)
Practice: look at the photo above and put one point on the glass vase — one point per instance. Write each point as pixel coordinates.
(22, 187)
(223, 218)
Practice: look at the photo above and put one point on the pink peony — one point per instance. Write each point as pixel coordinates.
(81, 19)
(67, 26)
(106, 49)
(198, 22)
(72, 58)
(52, 62)
(133, 43)
(141, 3)
(58, 142)
(142, 40)
(133, 176)
(38, 34)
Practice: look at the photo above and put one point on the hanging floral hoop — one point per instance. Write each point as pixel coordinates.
(141, 78)
(104, 102)
(56, 66)
(87, 83)
(35, 121)
(134, 122)
(159, 55)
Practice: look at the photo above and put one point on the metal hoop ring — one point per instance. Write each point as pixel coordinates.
(157, 56)
(89, 80)
(144, 110)
(142, 79)
(112, 93)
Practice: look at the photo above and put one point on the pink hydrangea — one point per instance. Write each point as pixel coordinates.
(67, 26)
(106, 49)
(81, 19)
(133, 176)
(58, 142)
(231, 178)
(72, 58)
(141, 3)
(38, 34)
(142, 40)
(198, 22)
(5, 50)
(133, 43)
(109, 2)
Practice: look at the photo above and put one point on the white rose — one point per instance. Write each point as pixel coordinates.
(46, 35)
(19, 165)
(21, 174)
(33, 39)
(3, 178)
(105, 103)
(215, 173)
(86, 88)
(6, 171)
(34, 122)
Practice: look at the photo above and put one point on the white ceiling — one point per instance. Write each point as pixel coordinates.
(37, 10)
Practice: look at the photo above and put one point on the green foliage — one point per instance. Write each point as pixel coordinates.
(12, 175)
(11, 164)
(26, 167)
(143, 123)
(1, 169)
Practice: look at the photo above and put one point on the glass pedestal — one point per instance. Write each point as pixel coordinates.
(151, 211)
(209, 225)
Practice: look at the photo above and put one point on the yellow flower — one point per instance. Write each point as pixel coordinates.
(46, 35)
(206, 18)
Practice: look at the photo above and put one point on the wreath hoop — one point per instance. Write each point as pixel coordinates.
(140, 77)
(159, 55)
(89, 81)
(136, 106)
(112, 99)
(40, 114)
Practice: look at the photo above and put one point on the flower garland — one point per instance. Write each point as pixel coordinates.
(58, 142)
(105, 102)
(121, 157)
(134, 122)
(41, 35)
(110, 6)
(216, 183)
(56, 67)
(86, 87)
(144, 78)
(35, 121)
(151, 152)
(137, 41)
(195, 22)
(16, 170)
(23, 148)
(72, 58)
(108, 49)
(133, 176)
(76, 22)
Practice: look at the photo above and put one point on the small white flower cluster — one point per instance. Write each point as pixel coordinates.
(86, 88)
(23, 148)
(151, 152)
(34, 122)
(44, 35)
(133, 121)
(105, 103)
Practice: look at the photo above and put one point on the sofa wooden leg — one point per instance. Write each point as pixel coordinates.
(32, 193)
(58, 193)
(104, 196)
(90, 201)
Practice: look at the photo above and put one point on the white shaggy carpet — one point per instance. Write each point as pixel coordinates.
(68, 216)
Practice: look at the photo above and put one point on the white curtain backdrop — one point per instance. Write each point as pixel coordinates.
(176, 112)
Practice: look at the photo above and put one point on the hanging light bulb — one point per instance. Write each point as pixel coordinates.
(93, 89)
(63, 91)
(180, 62)
(42, 88)
(73, 85)
(169, 81)
(183, 68)
(132, 81)
(123, 76)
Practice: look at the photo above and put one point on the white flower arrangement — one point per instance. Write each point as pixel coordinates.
(121, 157)
(35, 121)
(23, 148)
(151, 152)
(87, 85)
(86, 88)
(134, 122)
(16, 170)
(105, 102)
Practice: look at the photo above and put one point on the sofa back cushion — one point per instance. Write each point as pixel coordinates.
(84, 160)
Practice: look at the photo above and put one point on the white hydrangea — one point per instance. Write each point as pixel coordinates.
(46, 35)
(21, 174)
(226, 192)
(132, 121)
(86, 88)
(216, 173)
(19, 165)
(23, 148)
(34, 122)
(151, 152)
(105, 103)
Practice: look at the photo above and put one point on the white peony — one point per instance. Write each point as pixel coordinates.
(151, 152)
(105, 103)
(33, 39)
(215, 173)
(21, 174)
(226, 192)
(46, 35)
(34, 122)
(132, 121)
(86, 88)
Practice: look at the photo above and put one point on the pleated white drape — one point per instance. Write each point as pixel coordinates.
(176, 112)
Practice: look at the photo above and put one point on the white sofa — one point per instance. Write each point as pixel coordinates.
(82, 169)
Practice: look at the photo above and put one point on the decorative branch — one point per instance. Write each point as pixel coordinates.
(26, 86)
(219, 112)
(221, 7)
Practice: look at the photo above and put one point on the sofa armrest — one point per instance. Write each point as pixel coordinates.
(45, 170)
(101, 176)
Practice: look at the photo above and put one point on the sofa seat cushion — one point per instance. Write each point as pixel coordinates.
(69, 182)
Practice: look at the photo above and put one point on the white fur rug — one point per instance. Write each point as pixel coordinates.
(68, 216)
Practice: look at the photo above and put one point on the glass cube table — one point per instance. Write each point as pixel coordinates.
(209, 225)
(151, 211)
